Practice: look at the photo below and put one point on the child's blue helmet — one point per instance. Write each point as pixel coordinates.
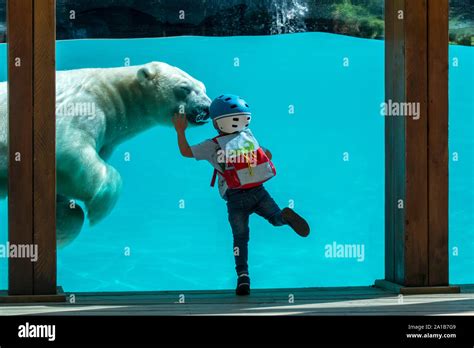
(230, 113)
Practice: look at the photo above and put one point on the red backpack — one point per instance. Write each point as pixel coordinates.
(244, 167)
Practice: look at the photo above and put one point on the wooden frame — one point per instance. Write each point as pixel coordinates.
(416, 150)
(20, 173)
(32, 141)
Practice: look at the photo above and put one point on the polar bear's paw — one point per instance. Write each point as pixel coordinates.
(105, 197)
(69, 221)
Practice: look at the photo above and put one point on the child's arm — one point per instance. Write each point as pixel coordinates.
(180, 124)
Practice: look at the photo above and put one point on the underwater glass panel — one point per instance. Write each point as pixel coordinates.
(313, 76)
(316, 105)
(3, 158)
(461, 143)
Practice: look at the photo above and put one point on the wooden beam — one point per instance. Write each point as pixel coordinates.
(416, 162)
(44, 143)
(394, 142)
(32, 164)
(389, 190)
(416, 140)
(20, 111)
(438, 162)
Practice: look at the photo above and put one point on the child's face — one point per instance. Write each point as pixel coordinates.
(239, 123)
(217, 128)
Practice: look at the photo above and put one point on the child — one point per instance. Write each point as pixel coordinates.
(242, 166)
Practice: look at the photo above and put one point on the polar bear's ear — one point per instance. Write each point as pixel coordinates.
(145, 74)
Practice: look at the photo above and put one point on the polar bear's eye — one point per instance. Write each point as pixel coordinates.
(186, 89)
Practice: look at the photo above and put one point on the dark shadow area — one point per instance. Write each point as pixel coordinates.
(80, 19)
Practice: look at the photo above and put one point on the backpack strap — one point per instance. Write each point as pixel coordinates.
(214, 175)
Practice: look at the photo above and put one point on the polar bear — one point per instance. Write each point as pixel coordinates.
(96, 110)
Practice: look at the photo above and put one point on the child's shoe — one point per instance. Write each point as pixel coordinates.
(296, 222)
(243, 285)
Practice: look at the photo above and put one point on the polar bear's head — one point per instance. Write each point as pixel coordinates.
(174, 91)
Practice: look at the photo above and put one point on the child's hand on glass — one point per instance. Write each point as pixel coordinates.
(180, 122)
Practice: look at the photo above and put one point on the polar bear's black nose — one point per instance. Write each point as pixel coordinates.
(207, 112)
(201, 116)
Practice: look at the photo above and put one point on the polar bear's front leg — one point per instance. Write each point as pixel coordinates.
(69, 221)
(104, 191)
(85, 176)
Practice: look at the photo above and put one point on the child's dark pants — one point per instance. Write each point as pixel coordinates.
(240, 205)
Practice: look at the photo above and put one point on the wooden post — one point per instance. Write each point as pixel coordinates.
(20, 170)
(32, 141)
(416, 147)
(438, 157)
(44, 143)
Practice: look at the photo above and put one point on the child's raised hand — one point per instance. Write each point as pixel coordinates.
(180, 122)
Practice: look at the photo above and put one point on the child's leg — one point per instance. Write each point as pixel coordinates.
(268, 209)
(239, 222)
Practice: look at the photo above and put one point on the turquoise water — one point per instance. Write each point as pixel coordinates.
(336, 113)
(461, 169)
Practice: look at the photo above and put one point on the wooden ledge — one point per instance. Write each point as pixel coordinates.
(58, 297)
(416, 290)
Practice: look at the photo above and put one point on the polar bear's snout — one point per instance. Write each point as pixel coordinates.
(175, 91)
(199, 115)
(197, 103)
